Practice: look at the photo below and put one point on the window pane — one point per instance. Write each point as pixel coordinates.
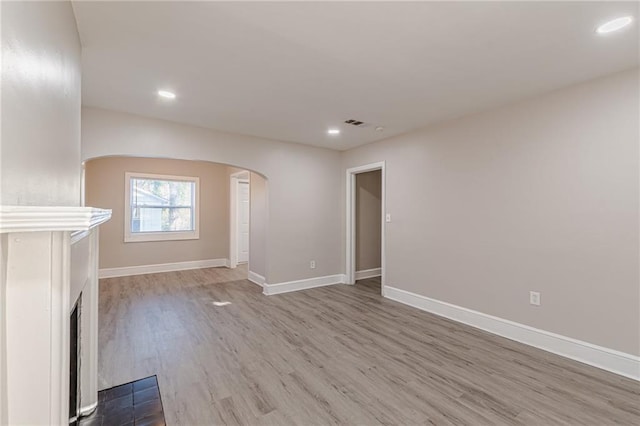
(154, 192)
(177, 219)
(161, 205)
(163, 219)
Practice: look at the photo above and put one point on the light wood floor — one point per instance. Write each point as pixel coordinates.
(334, 355)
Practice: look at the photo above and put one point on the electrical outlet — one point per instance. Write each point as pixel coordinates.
(534, 298)
(312, 264)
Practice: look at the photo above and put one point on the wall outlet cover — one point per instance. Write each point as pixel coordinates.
(534, 298)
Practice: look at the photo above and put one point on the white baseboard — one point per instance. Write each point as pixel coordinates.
(256, 278)
(368, 273)
(607, 359)
(286, 287)
(163, 267)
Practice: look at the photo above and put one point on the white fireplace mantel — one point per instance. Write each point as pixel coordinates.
(48, 258)
(45, 218)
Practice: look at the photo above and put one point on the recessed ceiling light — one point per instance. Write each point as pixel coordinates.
(614, 25)
(333, 131)
(166, 94)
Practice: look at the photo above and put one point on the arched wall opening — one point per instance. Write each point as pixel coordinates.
(105, 186)
(305, 211)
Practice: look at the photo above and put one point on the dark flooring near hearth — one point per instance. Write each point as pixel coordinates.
(334, 355)
(136, 404)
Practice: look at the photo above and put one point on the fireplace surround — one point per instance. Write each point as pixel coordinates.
(48, 267)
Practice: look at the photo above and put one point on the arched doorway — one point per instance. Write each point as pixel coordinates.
(171, 214)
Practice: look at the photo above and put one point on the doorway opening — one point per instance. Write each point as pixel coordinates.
(365, 242)
(240, 213)
(209, 210)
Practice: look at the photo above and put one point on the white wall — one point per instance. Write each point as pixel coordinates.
(305, 211)
(40, 133)
(40, 144)
(3, 322)
(540, 195)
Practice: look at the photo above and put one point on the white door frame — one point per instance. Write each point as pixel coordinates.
(235, 179)
(351, 221)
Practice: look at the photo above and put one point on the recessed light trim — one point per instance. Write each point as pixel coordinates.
(166, 94)
(614, 25)
(333, 132)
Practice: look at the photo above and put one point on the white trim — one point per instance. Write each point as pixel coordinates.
(162, 267)
(134, 237)
(350, 264)
(89, 324)
(286, 287)
(85, 411)
(368, 273)
(44, 268)
(234, 179)
(54, 218)
(233, 217)
(238, 214)
(243, 175)
(37, 271)
(142, 237)
(234, 224)
(607, 359)
(78, 236)
(256, 278)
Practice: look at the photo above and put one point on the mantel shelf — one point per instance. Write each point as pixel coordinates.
(50, 218)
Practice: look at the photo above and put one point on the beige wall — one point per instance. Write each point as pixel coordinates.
(40, 137)
(368, 219)
(541, 195)
(305, 207)
(258, 227)
(105, 186)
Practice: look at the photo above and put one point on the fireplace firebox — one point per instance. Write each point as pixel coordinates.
(74, 363)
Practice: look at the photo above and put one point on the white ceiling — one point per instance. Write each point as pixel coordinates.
(289, 71)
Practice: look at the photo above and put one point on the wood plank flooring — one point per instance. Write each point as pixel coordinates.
(334, 355)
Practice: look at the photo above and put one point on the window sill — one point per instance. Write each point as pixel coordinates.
(161, 236)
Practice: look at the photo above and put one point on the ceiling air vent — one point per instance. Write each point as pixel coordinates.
(355, 123)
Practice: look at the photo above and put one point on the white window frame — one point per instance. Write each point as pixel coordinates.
(130, 237)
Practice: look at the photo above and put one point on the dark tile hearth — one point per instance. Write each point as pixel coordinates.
(137, 404)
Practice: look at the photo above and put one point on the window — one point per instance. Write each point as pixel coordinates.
(159, 207)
